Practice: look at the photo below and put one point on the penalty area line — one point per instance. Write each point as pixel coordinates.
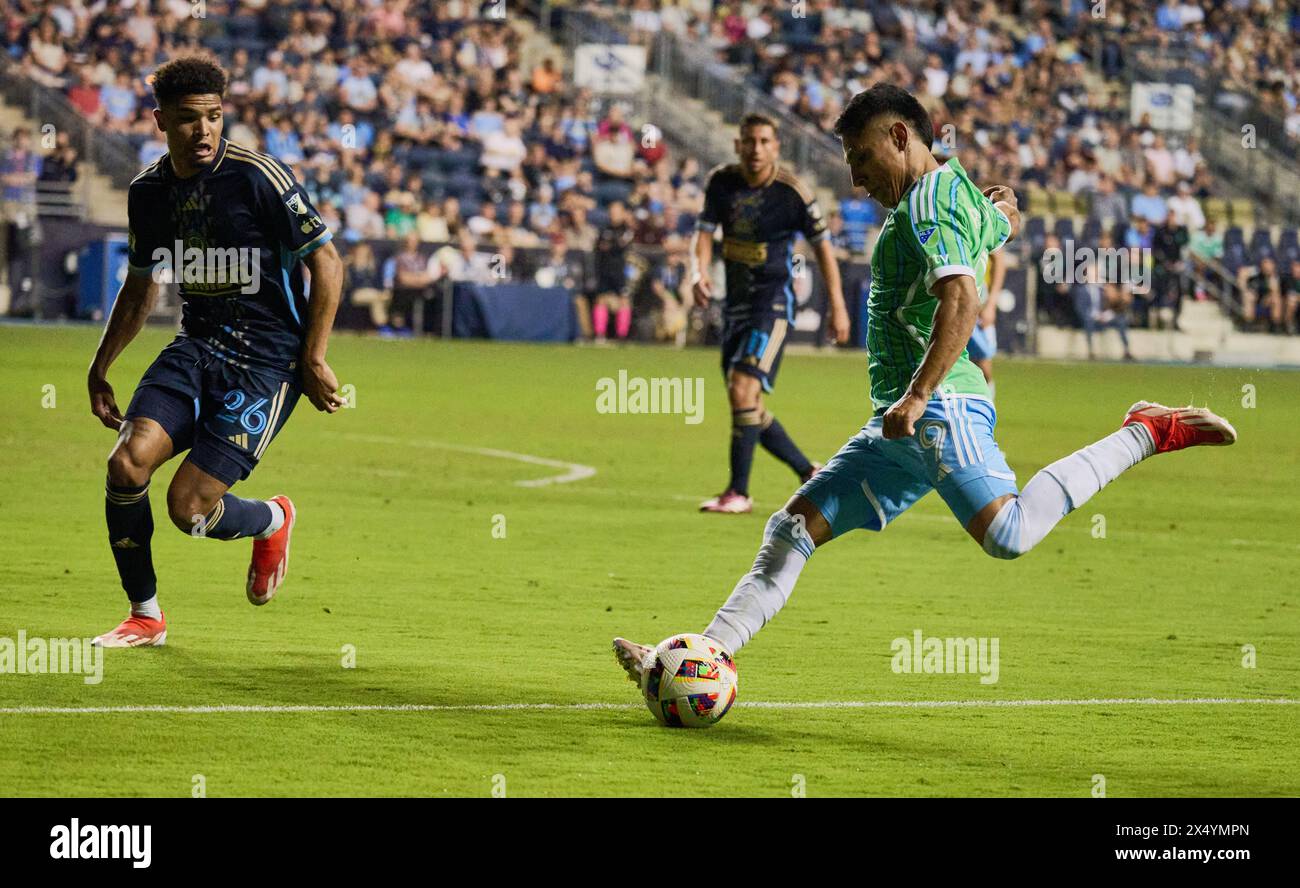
(236, 709)
(572, 471)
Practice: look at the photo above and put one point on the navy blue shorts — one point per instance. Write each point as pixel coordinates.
(755, 347)
(225, 414)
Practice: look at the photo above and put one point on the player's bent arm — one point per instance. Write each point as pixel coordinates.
(702, 254)
(1012, 212)
(135, 300)
(830, 268)
(954, 320)
(326, 290)
(320, 385)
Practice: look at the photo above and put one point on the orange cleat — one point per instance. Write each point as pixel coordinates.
(271, 557)
(1173, 428)
(135, 631)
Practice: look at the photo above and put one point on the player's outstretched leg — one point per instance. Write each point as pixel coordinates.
(141, 447)
(777, 441)
(788, 541)
(1148, 428)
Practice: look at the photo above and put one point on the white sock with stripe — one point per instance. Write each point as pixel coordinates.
(1062, 487)
(766, 588)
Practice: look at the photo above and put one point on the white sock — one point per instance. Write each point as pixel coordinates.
(277, 520)
(1062, 487)
(148, 609)
(767, 587)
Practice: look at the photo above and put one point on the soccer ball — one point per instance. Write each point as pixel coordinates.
(692, 683)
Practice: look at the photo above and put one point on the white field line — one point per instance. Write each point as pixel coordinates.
(569, 707)
(572, 471)
(578, 471)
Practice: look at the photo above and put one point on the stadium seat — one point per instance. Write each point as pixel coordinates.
(1243, 211)
(1064, 228)
(1216, 208)
(1233, 236)
(1234, 257)
(1036, 200)
(1261, 244)
(1060, 203)
(1091, 231)
(1035, 232)
(1288, 246)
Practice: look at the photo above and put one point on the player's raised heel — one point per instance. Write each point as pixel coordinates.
(270, 562)
(1175, 428)
(134, 631)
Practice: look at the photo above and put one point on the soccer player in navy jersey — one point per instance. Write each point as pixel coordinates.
(760, 207)
(234, 229)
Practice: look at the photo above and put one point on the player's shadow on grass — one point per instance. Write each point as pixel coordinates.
(734, 733)
(296, 679)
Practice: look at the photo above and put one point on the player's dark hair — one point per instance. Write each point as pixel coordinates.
(885, 98)
(188, 76)
(759, 120)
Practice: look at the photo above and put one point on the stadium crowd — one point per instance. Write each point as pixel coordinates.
(1011, 79)
(415, 122)
(410, 122)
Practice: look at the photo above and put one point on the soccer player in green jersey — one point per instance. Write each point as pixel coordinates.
(932, 421)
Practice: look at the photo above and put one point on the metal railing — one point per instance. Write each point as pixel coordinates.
(1267, 171)
(111, 153)
(59, 199)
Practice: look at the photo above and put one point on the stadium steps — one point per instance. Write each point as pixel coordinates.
(104, 203)
(1207, 337)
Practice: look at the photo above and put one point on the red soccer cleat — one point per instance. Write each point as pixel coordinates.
(1173, 428)
(271, 557)
(135, 631)
(728, 502)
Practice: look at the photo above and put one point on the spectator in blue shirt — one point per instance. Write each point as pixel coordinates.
(858, 215)
(1149, 205)
(119, 99)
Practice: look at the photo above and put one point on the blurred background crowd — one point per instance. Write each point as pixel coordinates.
(436, 154)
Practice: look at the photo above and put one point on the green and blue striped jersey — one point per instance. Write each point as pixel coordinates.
(943, 226)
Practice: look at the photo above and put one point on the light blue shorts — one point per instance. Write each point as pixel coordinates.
(983, 343)
(871, 481)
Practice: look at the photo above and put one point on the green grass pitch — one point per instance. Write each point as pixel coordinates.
(395, 555)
